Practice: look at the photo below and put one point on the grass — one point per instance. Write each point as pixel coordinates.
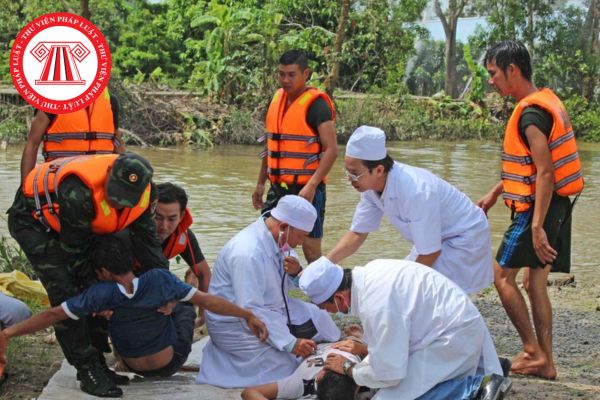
(31, 362)
(12, 258)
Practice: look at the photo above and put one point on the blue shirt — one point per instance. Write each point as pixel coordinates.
(136, 328)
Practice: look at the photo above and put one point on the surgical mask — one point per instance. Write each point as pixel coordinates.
(284, 247)
(338, 314)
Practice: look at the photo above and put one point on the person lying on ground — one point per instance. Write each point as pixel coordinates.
(310, 378)
(150, 342)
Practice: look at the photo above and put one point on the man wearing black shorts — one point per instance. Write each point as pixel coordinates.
(540, 170)
(301, 145)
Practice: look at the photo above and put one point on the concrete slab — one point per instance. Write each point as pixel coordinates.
(64, 385)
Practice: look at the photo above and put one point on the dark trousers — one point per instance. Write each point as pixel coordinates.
(82, 341)
(183, 316)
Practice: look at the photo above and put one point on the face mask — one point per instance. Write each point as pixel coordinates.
(284, 247)
(339, 314)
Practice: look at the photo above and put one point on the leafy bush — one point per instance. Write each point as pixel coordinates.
(585, 118)
(411, 118)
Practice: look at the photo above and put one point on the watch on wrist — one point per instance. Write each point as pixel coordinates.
(346, 366)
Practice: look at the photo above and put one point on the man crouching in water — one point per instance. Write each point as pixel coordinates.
(150, 342)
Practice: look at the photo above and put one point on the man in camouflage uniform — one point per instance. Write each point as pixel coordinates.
(61, 258)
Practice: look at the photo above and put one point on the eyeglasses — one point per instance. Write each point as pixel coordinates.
(352, 177)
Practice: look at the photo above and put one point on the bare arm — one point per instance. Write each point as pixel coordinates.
(544, 187)
(328, 155)
(428, 259)
(347, 246)
(257, 196)
(33, 324)
(204, 275)
(262, 392)
(223, 307)
(488, 201)
(119, 137)
(34, 138)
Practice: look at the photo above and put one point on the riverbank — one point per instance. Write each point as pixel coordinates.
(576, 333)
(163, 117)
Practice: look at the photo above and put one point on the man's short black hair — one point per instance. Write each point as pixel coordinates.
(510, 52)
(298, 57)
(335, 386)
(170, 193)
(387, 162)
(346, 283)
(111, 253)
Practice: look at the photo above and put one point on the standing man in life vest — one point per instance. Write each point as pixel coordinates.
(59, 210)
(91, 130)
(173, 221)
(540, 169)
(301, 145)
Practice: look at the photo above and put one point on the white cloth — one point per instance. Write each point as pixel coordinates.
(296, 211)
(366, 143)
(321, 279)
(433, 215)
(248, 272)
(421, 329)
(292, 387)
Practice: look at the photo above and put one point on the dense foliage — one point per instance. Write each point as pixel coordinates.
(227, 50)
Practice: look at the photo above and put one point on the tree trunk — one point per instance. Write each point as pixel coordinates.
(530, 27)
(450, 74)
(85, 9)
(592, 49)
(450, 23)
(334, 75)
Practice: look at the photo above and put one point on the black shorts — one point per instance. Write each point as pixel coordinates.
(276, 192)
(184, 317)
(516, 250)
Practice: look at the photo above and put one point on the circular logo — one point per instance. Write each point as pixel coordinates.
(60, 63)
(133, 178)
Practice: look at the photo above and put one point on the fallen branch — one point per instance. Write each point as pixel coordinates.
(135, 137)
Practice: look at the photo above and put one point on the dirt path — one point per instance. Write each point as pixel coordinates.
(576, 346)
(576, 342)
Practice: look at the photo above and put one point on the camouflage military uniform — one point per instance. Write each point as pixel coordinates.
(61, 259)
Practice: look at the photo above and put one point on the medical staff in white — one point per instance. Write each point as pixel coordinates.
(421, 329)
(448, 232)
(252, 270)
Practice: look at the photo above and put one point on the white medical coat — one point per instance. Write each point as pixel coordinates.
(248, 272)
(433, 215)
(420, 327)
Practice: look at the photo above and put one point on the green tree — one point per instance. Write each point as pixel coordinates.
(449, 20)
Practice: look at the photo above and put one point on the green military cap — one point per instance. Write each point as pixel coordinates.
(128, 179)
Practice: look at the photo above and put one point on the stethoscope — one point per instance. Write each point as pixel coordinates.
(283, 277)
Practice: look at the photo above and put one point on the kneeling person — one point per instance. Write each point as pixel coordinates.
(421, 329)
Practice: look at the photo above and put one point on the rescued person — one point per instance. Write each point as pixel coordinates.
(149, 342)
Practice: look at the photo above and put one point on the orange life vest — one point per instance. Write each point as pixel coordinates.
(293, 148)
(519, 171)
(178, 241)
(90, 130)
(43, 184)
